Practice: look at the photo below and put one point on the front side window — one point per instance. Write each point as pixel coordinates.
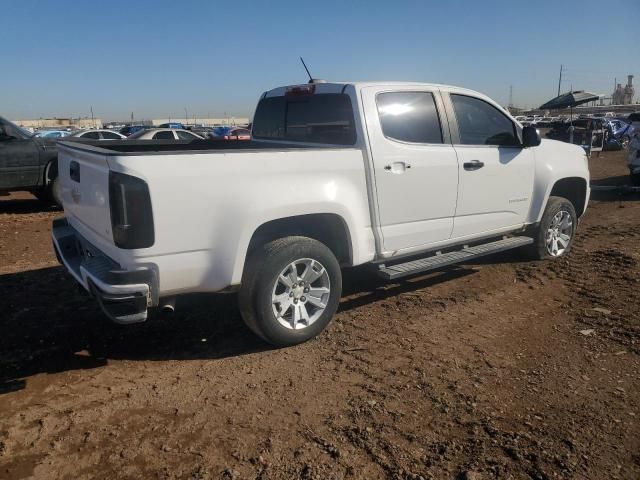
(480, 123)
(92, 135)
(164, 136)
(315, 118)
(409, 117)
(186, 135)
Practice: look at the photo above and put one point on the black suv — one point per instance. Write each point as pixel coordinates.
(27, 163)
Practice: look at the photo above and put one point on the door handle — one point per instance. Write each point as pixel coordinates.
(473, 165)
(397, 167)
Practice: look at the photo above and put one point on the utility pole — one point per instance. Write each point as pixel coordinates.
(186, 116)
(510, 96)
(559, 80)
(92, 120)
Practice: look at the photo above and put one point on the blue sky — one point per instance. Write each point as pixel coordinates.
(157, 57)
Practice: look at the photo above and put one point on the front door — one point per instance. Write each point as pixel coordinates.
(496, 172)
(415, 166)
(19, 159)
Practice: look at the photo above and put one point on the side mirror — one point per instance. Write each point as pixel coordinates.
(530, 137)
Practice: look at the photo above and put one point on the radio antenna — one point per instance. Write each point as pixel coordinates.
(308, 73)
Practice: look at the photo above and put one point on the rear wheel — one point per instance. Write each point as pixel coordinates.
(51, 192)
(624, 142)
(290, 290)
(554, 236)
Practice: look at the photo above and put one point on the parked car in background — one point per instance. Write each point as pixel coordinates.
(131, 129)
(98, 135)
(52, 133)
(634, 120)
(200, 130)
(619, 131)
(28, 162)
(230, 133)
(172, 125)
(633, 159)
(544, 122)
(165, 134)
(337, 175)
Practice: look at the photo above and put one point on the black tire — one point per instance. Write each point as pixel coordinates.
(635, 179)
(555, 205)
(261, 272)
(50, 194)
(624, 142)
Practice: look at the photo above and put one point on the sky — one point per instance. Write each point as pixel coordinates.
(156, 58)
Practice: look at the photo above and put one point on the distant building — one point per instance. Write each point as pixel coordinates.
(624, 95)
(64, 123)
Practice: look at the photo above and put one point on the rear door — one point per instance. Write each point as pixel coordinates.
(415, 166)
(495, 171)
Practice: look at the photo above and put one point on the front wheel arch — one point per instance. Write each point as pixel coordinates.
(573, 189)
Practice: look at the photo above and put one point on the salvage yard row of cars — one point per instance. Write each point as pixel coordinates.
(28, 161)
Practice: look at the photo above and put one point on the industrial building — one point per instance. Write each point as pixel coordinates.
(623, 95)
(62, 123)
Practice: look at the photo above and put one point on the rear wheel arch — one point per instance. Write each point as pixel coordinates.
(573, 189)
(328, 228)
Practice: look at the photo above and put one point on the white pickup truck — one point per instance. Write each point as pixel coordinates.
(405, 177)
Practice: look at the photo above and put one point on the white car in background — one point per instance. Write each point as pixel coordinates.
(52, 134)
(98, 135)
(164, 134)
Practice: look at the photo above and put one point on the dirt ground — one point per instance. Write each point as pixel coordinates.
(503, 368)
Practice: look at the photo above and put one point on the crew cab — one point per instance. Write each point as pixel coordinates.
(27, 163)
(402, 177)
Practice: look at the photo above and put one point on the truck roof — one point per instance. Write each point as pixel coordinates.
(339, 86)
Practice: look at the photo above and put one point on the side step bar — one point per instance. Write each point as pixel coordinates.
(391, 272)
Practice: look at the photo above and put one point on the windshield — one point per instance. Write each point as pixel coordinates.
(12, 129)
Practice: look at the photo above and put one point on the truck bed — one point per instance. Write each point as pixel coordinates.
(158, 147)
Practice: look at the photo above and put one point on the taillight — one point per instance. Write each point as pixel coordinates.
(299, 90)
(131, 214)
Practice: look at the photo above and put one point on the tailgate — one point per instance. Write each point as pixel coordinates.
(84, 181)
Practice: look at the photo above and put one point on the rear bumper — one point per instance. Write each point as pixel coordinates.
(123, 295)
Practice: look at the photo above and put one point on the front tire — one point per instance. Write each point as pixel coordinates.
(554, 237)
(290, 290)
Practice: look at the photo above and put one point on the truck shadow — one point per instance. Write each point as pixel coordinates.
(25, 205)
(50, 326)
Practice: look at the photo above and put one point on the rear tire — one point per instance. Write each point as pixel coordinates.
(284, 306)
(554, 236)
(624, 142)
(51, 192)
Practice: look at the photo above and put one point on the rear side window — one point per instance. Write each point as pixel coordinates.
(409, 117)
(164, 136)
(480, 123)
(323, 118)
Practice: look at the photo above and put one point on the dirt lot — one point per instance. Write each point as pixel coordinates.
(498, 369)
